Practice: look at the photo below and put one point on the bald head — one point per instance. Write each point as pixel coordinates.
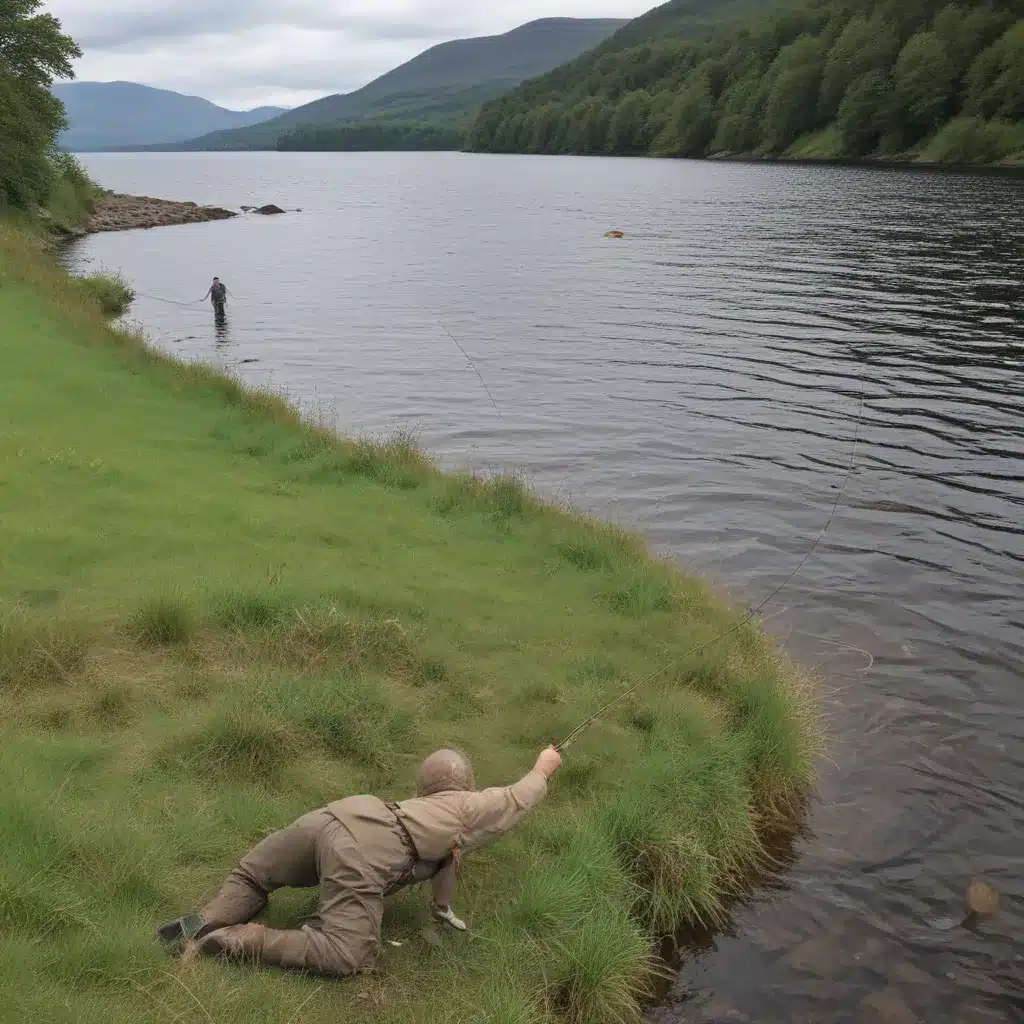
(445, 771)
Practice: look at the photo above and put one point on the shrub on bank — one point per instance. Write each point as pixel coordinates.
(110, 292)
(72, 194)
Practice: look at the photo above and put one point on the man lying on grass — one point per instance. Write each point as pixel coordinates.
(360, 850)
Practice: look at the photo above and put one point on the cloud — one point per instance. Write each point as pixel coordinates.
(251, 52)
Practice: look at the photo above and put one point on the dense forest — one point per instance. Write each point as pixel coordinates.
(374, 136)
(33, 52)
(829, 79)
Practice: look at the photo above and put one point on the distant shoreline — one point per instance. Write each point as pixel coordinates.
(911, 163)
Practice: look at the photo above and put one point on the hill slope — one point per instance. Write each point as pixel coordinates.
(831, 78)
(446, 82)
(105, 115)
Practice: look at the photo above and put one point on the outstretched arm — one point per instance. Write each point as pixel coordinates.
(493, 812)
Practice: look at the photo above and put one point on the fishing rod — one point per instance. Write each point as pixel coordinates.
(475, 369)
(564, 745)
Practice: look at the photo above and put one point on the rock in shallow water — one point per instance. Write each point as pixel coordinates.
(982, 899)
(116, 212)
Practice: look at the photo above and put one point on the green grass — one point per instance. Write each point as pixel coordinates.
(214, 617)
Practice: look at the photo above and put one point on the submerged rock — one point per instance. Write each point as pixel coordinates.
(982, 899)
(269, 209)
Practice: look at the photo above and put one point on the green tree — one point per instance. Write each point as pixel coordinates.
(33, 51)
(588, 127)
(966, 32)
(862, 117)
(627, 130)
(485, 127)
(924, 81)
(742, 108)
(543, 122)
(32, 46)
(691, 121)
(861, 47)
(995, 82)
(793, 101)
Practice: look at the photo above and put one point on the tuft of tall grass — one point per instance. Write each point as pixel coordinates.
(552, 899)
(162, 621)
(396, 462)
(349, 717)
(578, 844)
(642, 595)
(242, 611)
(39, 653)
(501, 498)
(323, 637)
(241, 745)
(581, 773)
(505, 1002)
(603, 970)
(596, 547)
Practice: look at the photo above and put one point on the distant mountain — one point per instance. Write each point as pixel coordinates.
(110, 115)
(445, 83)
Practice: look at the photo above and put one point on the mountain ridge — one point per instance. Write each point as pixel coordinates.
(110, 115)
(446, 81)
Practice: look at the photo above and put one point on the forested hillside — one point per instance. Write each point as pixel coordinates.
(830, 78)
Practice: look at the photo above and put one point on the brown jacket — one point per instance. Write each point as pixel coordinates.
(444, 822)
(466, 821)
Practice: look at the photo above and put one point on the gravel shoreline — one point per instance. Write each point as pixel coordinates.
(116, 212)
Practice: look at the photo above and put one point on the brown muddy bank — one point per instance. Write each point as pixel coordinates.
(114, 211)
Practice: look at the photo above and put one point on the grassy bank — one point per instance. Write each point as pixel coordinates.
(214, 617)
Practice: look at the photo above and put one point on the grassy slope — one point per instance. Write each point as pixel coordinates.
(215, 618)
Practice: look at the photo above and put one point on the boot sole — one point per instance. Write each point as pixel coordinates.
(190, 927)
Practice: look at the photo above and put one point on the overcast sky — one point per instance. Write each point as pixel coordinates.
(247, 53)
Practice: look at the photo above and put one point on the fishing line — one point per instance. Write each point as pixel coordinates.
(477, 371)
(751, 615)
(170, 302)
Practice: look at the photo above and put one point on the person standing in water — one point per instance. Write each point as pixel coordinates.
(218, 295)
